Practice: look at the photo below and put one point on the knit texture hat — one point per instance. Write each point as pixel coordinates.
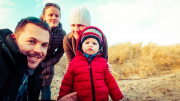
(92, 33)
(79, 15)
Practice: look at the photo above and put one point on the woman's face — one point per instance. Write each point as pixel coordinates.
(52, 16)
(76, 29)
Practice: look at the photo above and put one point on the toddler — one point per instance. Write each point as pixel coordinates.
(88, 73)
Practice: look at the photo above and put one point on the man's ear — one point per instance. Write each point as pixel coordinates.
(13, 36)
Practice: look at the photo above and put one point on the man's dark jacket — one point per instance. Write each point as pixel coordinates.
(12, 68)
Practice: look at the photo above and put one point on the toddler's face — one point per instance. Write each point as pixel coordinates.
(90, 46)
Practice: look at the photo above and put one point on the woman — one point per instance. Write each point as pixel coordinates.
(79, 19)
(51, 15)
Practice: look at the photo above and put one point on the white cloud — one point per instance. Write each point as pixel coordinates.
(6, 11)
(6, 2)
(157, 21)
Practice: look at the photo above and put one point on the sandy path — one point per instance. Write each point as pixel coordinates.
(162, 88)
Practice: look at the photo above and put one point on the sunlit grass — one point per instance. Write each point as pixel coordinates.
(134, 60)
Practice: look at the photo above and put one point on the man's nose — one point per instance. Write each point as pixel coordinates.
(37, 48)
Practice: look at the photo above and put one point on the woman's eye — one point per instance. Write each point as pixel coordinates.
(81, 25)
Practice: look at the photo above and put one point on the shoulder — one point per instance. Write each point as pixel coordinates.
(63, 32)
(4, 33)
(100, 60)
(77, 58)
(77, 61)
(67, 38)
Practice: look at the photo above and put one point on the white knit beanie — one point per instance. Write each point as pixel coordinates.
(79, 15)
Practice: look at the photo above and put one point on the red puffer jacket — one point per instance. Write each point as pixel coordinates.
(90, 81)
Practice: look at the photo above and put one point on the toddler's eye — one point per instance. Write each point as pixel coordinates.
(57, 16)
(51, 15)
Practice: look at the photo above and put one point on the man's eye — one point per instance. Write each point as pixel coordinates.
(45, 45)
(50, 15)
(31, 41)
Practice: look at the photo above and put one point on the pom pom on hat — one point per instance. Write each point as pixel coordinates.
(79, 15)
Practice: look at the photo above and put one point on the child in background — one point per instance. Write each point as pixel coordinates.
(88, 74)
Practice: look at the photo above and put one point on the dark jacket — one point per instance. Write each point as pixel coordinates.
(12, 68)
(54, 53)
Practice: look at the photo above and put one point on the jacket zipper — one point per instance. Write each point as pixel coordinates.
(92, 83)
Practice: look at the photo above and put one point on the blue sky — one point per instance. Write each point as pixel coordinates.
(155, 21)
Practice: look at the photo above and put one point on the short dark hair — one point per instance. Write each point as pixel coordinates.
(21, 25)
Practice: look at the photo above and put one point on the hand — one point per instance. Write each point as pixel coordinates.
(69, 97)
(109, 67)
(67, 66)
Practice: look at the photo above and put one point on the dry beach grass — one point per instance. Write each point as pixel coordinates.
(148, 73)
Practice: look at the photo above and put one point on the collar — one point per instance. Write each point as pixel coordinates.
(90, 57)
(30, 71)
(58, 27)
(20, 59)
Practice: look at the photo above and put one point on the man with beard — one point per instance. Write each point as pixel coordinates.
(20, 54)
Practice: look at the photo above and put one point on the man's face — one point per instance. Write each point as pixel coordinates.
(76, 30)
(33, 42)
(90, 46)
